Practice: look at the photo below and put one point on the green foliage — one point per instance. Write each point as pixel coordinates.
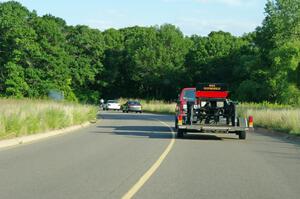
(248, 90)
(42, 53)
(215, 58)
(14, 83)
(290, 95)
(86, 47)
(278, 40)
(143, 61)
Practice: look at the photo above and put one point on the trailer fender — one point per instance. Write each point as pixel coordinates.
(243, 122)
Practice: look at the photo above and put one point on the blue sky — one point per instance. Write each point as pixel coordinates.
(191, 16)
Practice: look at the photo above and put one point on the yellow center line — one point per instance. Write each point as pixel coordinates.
(152, 169)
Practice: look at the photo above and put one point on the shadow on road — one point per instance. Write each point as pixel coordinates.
(153, 135)
(200, 137)
(138, 128)
(159, 132)
(133, 116)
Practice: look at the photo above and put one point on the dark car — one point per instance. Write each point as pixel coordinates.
(132, 106)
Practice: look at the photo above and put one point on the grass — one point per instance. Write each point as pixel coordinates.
(155, 106)
(26, 117)
(284, 118)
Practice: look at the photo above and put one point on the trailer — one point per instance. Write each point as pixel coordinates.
(210, 111)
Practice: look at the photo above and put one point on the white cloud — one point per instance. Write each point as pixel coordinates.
(227, 2)
(188, 26)
(205, 26)
(102, 24)
(224, 2)
(109, 18)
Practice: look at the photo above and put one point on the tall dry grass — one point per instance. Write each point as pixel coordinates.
(277, 117)
(155, 106)
(25, 117)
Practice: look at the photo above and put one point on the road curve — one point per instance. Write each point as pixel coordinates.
(107, 159)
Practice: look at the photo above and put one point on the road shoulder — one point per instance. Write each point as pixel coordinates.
(277, 134)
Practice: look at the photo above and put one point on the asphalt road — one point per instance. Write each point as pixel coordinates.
(105, 160)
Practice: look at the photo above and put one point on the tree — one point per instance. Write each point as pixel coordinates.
(86, 46)
(54, 60)
(41, 54)
(278, 40)
(15, 84)
(17, 45)
(214, 58)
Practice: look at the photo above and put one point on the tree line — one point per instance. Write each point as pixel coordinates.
(39, 54)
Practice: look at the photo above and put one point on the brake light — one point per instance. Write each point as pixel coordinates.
(180, 120)
(250, 122)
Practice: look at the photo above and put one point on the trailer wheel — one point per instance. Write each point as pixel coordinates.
(180, 133)
(242, 135)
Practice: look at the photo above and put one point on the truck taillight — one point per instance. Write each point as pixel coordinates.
(180, 120)
(250, 121)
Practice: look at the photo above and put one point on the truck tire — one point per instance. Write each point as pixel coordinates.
(242, 135)
(180, 133)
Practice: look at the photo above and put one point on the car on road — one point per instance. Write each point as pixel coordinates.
(112, 105)
(132, 106)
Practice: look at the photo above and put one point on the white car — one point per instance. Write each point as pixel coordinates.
(112, 105)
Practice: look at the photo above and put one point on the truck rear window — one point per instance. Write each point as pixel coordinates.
(189, 95)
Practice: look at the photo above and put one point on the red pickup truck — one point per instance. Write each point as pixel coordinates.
(186, 95)
(207, 108)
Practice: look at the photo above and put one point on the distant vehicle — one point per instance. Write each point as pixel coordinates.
(112, 105)
(101, 103)
(132, 106)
